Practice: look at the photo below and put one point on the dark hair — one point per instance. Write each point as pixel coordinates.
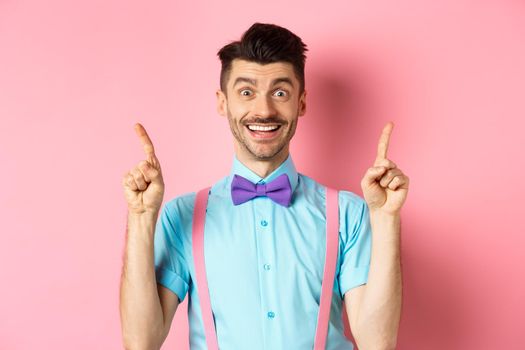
(265, 43)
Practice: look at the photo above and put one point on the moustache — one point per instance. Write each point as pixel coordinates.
(265, 121)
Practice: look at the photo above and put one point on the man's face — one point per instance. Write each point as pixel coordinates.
(262, 105)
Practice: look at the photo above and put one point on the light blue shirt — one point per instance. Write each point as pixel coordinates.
(264, 262)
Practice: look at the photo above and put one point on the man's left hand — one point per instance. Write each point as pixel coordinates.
(384, 186)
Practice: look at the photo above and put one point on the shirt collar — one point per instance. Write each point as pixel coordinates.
(286, 167)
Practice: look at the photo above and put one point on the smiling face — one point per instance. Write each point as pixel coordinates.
(262, 104)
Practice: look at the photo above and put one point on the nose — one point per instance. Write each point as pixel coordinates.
(264, 106)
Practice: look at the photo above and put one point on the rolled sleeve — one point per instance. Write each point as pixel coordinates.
(171, 269)
(355, 242)
(172, 281)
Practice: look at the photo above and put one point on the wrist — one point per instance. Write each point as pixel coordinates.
(142, 223)
(143, 215)
(385, 226)
(385, 216)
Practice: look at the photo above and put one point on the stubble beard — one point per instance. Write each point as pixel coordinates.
(247, 145)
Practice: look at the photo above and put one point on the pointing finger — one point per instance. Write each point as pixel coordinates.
(145, 140)
(384, 140)
(386, 163)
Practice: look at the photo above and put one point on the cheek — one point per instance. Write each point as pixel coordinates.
(289, 113)
(237, 110)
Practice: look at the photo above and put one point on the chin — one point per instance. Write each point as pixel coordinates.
(267, 154)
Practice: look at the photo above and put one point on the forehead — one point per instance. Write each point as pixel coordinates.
(264, 74)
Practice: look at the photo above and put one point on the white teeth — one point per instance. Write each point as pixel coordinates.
(262, 128)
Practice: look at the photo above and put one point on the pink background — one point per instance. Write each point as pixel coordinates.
(76, 76)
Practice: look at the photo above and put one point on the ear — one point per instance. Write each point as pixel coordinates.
(302, 104)
(222, 102)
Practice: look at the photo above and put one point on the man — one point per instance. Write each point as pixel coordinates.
(264, 258)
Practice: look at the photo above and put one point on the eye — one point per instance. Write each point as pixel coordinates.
(280, 93)
(245, 92)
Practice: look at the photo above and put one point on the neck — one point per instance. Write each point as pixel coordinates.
(262, 167)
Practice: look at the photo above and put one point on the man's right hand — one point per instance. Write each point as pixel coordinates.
(143, 185)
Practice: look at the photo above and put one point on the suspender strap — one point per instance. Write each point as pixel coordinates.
(199, 215)
(332, 239)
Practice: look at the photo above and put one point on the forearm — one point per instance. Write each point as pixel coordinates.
(380, 312)
(141, 314)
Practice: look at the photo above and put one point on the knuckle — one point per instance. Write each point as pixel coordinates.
(387, 163)
(136, 173)
(393, 172)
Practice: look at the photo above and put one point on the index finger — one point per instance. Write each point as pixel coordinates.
(145, 140)
(384, 139)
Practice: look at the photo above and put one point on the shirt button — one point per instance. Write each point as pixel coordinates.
(271, 314)
(266, 266)
(264, 223)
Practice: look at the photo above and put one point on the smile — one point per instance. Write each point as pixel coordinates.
(263, 128)
(263, 131)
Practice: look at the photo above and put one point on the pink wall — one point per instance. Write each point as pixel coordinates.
(75, 77)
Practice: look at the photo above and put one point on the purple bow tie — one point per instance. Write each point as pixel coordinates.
(279, 190)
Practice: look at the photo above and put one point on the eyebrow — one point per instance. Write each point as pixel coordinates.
(254, 81)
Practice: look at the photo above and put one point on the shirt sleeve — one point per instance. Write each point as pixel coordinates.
(171, 269)
(356, 239)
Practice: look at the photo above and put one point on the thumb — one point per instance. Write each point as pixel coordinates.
(372, 174)
(150, 173)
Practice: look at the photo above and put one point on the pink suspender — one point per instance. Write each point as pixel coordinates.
(332, 231)
(332, 238)
(199, 215)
